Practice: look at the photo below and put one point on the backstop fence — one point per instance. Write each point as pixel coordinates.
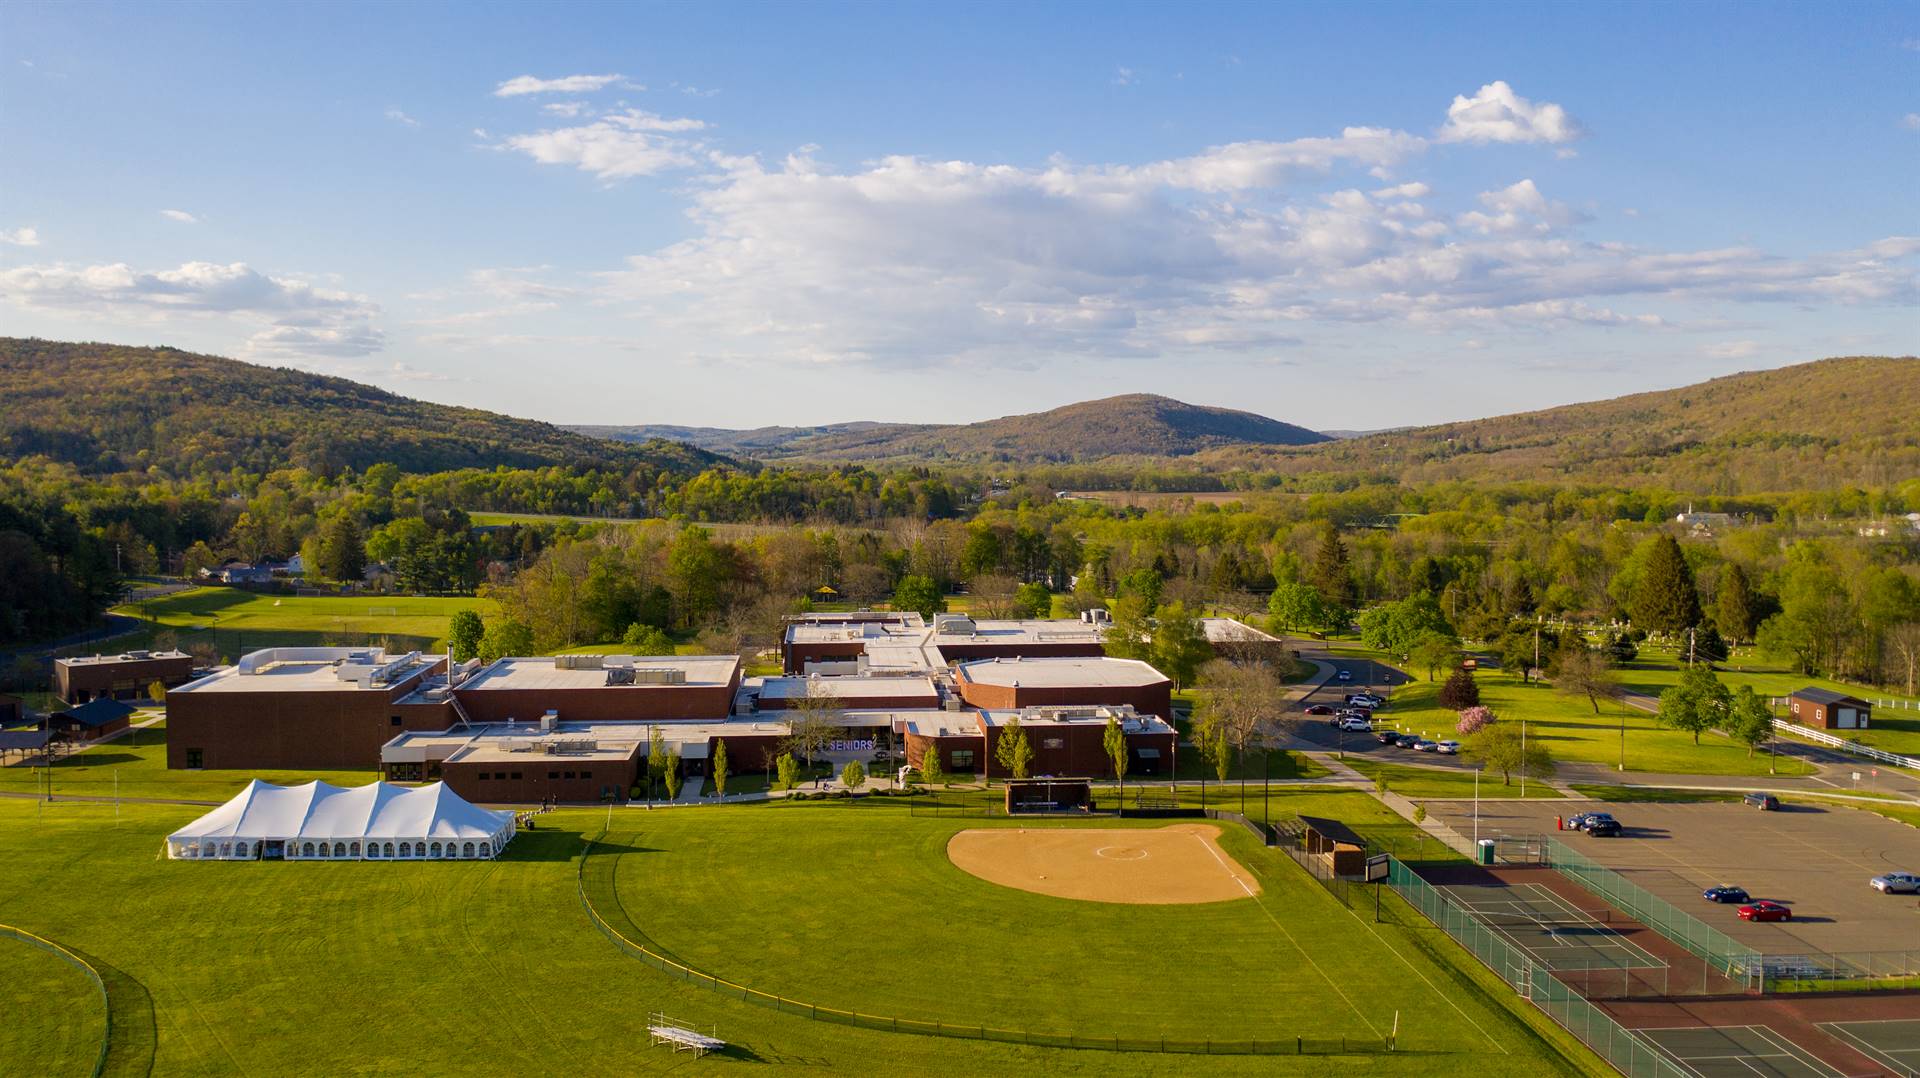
(1627, 1051)
(596, 886)
(86, 968)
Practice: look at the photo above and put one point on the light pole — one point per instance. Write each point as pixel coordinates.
(1523, 759)
(1476, 806)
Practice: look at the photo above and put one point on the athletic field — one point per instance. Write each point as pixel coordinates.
(499, 969)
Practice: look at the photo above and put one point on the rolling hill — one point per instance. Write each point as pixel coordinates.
(1135, 425)
(107, 408)
(1830, 423)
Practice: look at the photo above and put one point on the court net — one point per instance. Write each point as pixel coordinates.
(1564, 921)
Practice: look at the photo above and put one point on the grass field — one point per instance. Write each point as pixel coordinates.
(1894, 729)
(135, 766)
(237, 621)
(1433, 782)
(1570, 729)
(495, 968)
(54, 1017)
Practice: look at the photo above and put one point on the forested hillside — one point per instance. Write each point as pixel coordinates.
(1851, 421)
(1135, 425)
(107, 408)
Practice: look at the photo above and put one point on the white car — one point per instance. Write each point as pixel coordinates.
(1366, 700)
(1358, 726)
(1449, 748)
(1344, 675)
(1896, 883)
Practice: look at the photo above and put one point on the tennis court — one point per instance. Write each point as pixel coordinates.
(1736, 1052)
(1558, 934)
(1892, 1043)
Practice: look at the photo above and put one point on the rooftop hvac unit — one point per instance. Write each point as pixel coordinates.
(549, 721)
(954, 625)
(578, 662)
(620, 675)
(138, 654)
(953, 703)
(660, 676)
(565, 746)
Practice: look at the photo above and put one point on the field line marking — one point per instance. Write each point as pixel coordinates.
(1251, 893)
(1792, 1050)
(1619, 943)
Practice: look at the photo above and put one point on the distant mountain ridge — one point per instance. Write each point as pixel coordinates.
(1133, 425)
(107, 408)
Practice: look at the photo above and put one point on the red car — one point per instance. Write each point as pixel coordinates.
(1764, 910)
(1319, 709)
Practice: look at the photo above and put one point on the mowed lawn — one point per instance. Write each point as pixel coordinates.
(1571, 731)
(236, 621)
(53, 1015)
(494, 968)
(134, 765)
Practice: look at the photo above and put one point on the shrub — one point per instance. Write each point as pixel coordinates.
(1474, 719)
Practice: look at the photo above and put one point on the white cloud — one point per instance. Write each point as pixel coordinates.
(293, 315)
(1405, 190)
(1732, 350)
(1497, 114)
(618, 145)
(401, 118)
(1123, 76)
(569, 84)
(566, 108)
(1520, 208)
(20, 237)
(1911, 121)
(181, 216)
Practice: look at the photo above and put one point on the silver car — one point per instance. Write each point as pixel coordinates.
(1896, 883)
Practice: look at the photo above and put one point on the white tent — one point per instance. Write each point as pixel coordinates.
(356, 823)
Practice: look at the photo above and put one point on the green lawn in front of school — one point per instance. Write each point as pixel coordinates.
(494, 968)
(54, 1016)
(134, 765)
(1432, 782)
(236, 621)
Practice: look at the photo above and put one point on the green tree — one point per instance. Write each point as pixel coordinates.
(1012, 750)
(342, 549)
(1329, 572)
(1294, 605)
(464, 631)
(1580, 671)
(1131, 634)
(1114, 740)
(1734, 609)
(1665, 599)
(1033, 600)
(157, 692)
(1399, 627)
(719, 769)
(1215, 746)
(854, 775)
(788, 770)
(930, 770)
(694, 574)
(1749, 720)
(1460, 691)
(656, 758)
(1697, 704)
(1504, 747)
(1435, 651)
(505, 637)
(919, 593)
(1179, 646)
(643, 639)
(672, 774)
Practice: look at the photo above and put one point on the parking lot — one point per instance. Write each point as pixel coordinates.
(1816, 860)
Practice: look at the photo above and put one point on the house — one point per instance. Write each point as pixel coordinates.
(240, 572)
(1704, 524)
(90, 721)
(1824, 709)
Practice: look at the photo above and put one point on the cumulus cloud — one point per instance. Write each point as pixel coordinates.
(292, 316)
(1519, 208)
(181, 216)
(567, 84)
(1497, 114)
(20, 237)
(616, 146)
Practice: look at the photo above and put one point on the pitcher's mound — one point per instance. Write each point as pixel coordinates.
(1182, 863)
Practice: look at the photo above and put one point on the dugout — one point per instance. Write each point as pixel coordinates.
(1028, 796)
(1344, 850)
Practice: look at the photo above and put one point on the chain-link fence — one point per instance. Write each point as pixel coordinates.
(86, 968)
(1850, 971)
(1722, 954)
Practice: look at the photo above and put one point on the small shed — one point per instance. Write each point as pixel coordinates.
(90, 721)
(1824, 709)
(1345, 851)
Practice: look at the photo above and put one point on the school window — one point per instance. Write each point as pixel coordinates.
(394, 721)
(586, 774)
(516, 776)
(569, 774)
(553, 774)
(484, 776)
(194, 756)
(963, 757)
(1053, 743)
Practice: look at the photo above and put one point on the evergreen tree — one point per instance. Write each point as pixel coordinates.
(1665, 599)
(1114, 740)
(930, 769)
(1460, 691)
(719, 769)
(1330, 572)
(1734, 609)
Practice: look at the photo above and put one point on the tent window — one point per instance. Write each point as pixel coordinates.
(389, 852)
(467, 850)
(339, 849)
(306, 850)
(353, 849)
(226, 849)
(436, 850)
(239, 849)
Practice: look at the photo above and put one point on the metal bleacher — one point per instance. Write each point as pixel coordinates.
(670, 1031)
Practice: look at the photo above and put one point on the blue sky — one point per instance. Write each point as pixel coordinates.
(1343, 216)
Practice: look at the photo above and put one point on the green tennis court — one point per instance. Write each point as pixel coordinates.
(1893, 1043)
(1558, 934)
(1736, 1052)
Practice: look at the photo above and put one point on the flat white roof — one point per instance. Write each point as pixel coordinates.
(1227, 630)
(1061, 672)
(501, 742)
(125, 657)
(300, 675)
(1131, 721)
(943, 723)
(999, 631)
(540, 672)
(848, 688)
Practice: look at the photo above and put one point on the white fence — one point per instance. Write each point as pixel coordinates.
(1820, 738)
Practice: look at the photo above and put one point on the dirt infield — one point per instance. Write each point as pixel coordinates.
(1163, 866)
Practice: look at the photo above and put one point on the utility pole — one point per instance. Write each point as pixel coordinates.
(1690, 646)
(1523, 759)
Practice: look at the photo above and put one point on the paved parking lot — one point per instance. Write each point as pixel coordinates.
(1816, 860)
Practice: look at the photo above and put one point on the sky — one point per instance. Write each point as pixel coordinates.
(1344, 216)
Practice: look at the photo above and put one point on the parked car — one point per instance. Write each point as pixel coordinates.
(1406, 741)
(1765, 910)
(1608, 828)
(1762, 801)
(1365, 699)
(1589, 819)
(1578, 821)
(1424, 745)
(1386, 736)
(1358, 726)
(1344, 675)
(1448, 748)
(1896, 883)
(1320, 709)
(1727, 894)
